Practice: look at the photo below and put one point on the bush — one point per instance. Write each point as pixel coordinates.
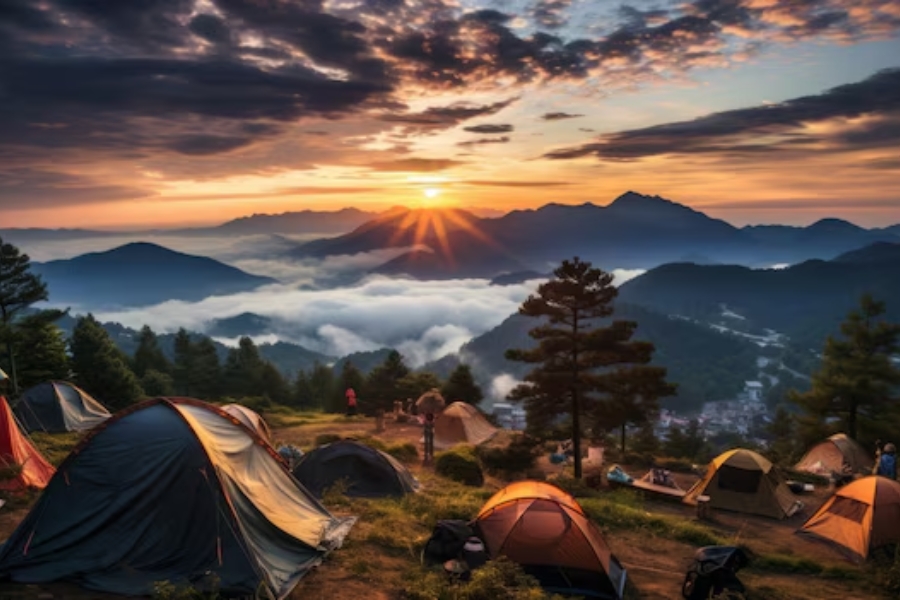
(460, 464)
(575, 487)
(8, 472)
(518, 457)
(327, 438)
(499, 579)
(678, 465)
(403, 452)
(259, 404)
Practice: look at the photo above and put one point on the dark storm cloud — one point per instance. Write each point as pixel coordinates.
(489, 128)
(485, 141)
(558, 116)
(445, 117)
(210, 28)
(551, 13)
(737, 131)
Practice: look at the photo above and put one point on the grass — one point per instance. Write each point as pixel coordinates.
(55, 446)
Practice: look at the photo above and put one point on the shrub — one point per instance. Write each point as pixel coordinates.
(679, 465)
(576, 487)
(166, 590)
(327, 438)
(460, 465)
(8, 472)
(518, 457)
(499, 579)
(404, 452)
(256, 403)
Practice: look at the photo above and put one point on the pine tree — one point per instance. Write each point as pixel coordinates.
(646, 441)
(857, 384)
(303, 392)
(206, 371)
(149, 355)
(321, 384)
(461, 386)
(156, 383)
(584, 371)
(273, 385)
(100, 368)
(632, 396)
(243, 370)
(782, 432)
(350, 377)
(414, 385)
(41, 348)
(688, 444)
(183, 366)
(382, 383)
(19, 289)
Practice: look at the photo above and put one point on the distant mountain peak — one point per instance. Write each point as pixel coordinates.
(834, 224)
(631, 200)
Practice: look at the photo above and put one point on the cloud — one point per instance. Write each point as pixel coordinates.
(502, 385)
(482, 141)
(559, 116)
(513, 184)
(489, 128)
(418, 165)
(427, 319)
(445, 117)
(873, 102)
(620, 276)
(37, 188)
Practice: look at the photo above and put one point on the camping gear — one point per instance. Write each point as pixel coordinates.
(291, 454)
(798, 487)
(474, 553)
(172, 490)
(429, 402)
(617, 474)
(544, 529)
(461, 423)
(251, 419)
(447, 541)
(58, 407)
(668, 491)
(833, 455)
(365, 471)
(859, 517)
(743, 481)
(27, 468)
(3, 375)
(713, 572)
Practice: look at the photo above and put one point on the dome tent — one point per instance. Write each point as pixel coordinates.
(366, 471)
(251, 419)
(834, 453)
(58, 407)
(545, 530)
(859, 517)
(172, 489)
(461, 423)
(743, 481)
(17, 451)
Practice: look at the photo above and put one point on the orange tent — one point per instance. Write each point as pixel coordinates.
(461, 423)
(545, 530)
(15, 450)
(859, 517)
(833, 455)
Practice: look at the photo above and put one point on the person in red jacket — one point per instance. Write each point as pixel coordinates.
(351, 402)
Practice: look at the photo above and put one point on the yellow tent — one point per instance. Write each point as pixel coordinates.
(859, 517)
(831, 455)
(743, 481)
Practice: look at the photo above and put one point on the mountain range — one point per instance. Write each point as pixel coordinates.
(141, 274)
(633, 232)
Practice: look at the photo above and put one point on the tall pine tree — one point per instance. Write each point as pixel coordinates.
(100, 368)
(303, 392)
(321, 385)
(461, 386)
(206, 370)
(148, 355)
(19, 289)
(382, 384)
(583, 370)
(350, 377)
(856, 389)
(183, 367)
(41, 348)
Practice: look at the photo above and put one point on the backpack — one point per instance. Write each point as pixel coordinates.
(446, 541)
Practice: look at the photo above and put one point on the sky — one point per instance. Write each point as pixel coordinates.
(182, 112)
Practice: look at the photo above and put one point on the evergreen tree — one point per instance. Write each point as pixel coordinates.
(303, 392)
(857, 384)
(461, 386)
(206, 371)
(149, 355)
(321, 384)
(632, 397)
(584, 371)
(273, 384)
(382, 383)
(688, 444)
(243, 370)
(156, 383)
(646, 441)
(19, 289)
(782, 433)
(41, 349)
(183, 366)
(100, 368)
(413, 385)
(350, 377)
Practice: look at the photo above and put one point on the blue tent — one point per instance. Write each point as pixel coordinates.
(173, 490)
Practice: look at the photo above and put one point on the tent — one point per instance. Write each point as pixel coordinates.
(461, 423)
(859, 517)
(546, 531)
(367, 472)
(833, 454)
(16, 450)
(251, 419)
(743, 481)
(172, 490)
(57, 407)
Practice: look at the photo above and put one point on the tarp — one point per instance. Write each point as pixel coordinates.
(17, 450)
(251, 419)
(832, 455)
(859, 517)
(366, 471)
(545, 530)
(461, 423)
(57, 407)
(172, 490)
(743, 481)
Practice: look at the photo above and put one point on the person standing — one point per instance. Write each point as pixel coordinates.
(887, 463)
(351, 402)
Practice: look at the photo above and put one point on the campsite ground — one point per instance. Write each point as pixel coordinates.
(654, 540)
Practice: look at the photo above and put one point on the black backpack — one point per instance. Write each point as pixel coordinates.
(446, 541)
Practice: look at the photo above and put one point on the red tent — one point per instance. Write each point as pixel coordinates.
(16, 449)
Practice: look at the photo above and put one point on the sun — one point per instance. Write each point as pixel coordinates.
(431, 192)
